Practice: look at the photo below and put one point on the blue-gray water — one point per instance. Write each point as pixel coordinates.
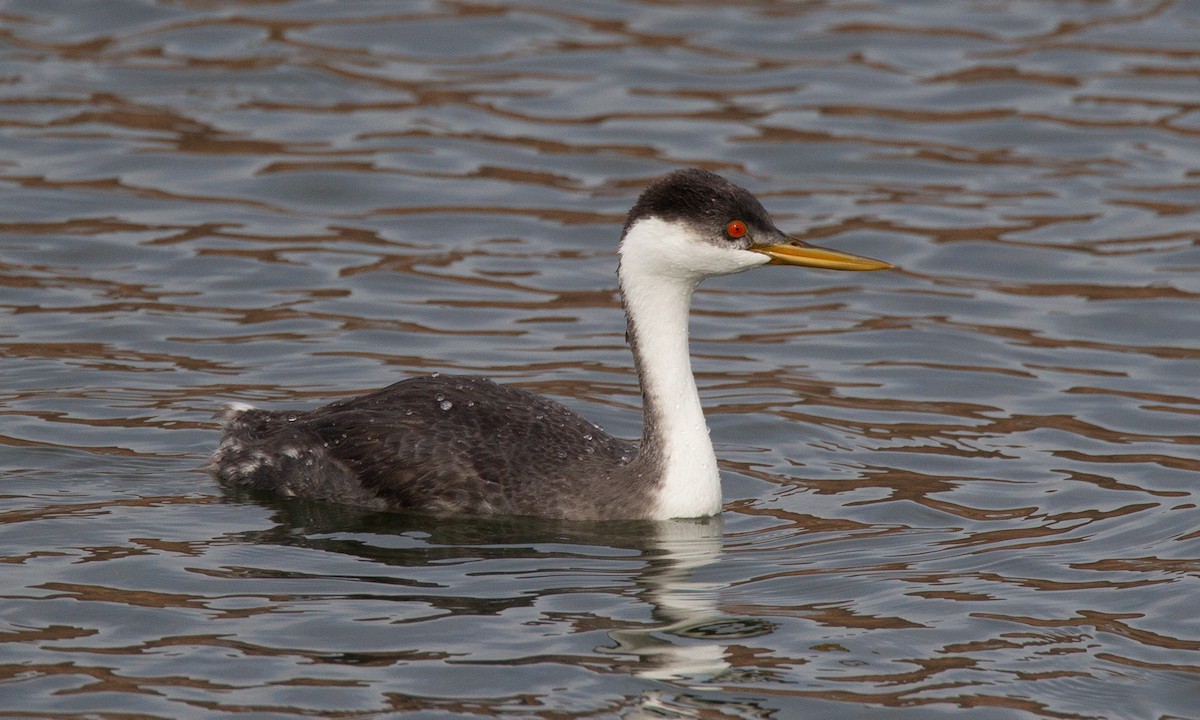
(966, 487)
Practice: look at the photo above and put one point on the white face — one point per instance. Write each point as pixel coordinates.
(671, 250)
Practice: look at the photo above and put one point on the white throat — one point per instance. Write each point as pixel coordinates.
(661, 265)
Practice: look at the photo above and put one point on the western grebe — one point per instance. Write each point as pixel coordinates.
(457, 444)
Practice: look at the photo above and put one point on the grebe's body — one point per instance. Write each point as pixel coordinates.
(454, 444)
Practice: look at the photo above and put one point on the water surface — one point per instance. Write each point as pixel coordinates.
(966, 487)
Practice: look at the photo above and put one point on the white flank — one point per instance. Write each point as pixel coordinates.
(661, 264)
(229, 411)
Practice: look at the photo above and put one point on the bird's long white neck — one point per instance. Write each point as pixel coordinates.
(674, 424)
(661, 265)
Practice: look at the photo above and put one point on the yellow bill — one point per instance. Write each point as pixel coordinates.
(798, 253)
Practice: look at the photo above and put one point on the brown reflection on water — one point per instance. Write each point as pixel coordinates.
(100, 356)
(55, 511)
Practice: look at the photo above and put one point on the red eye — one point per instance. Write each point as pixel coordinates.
(735, 229)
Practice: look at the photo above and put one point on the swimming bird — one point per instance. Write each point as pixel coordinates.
(453, 444)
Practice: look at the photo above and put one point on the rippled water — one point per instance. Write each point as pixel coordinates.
(965, 487)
